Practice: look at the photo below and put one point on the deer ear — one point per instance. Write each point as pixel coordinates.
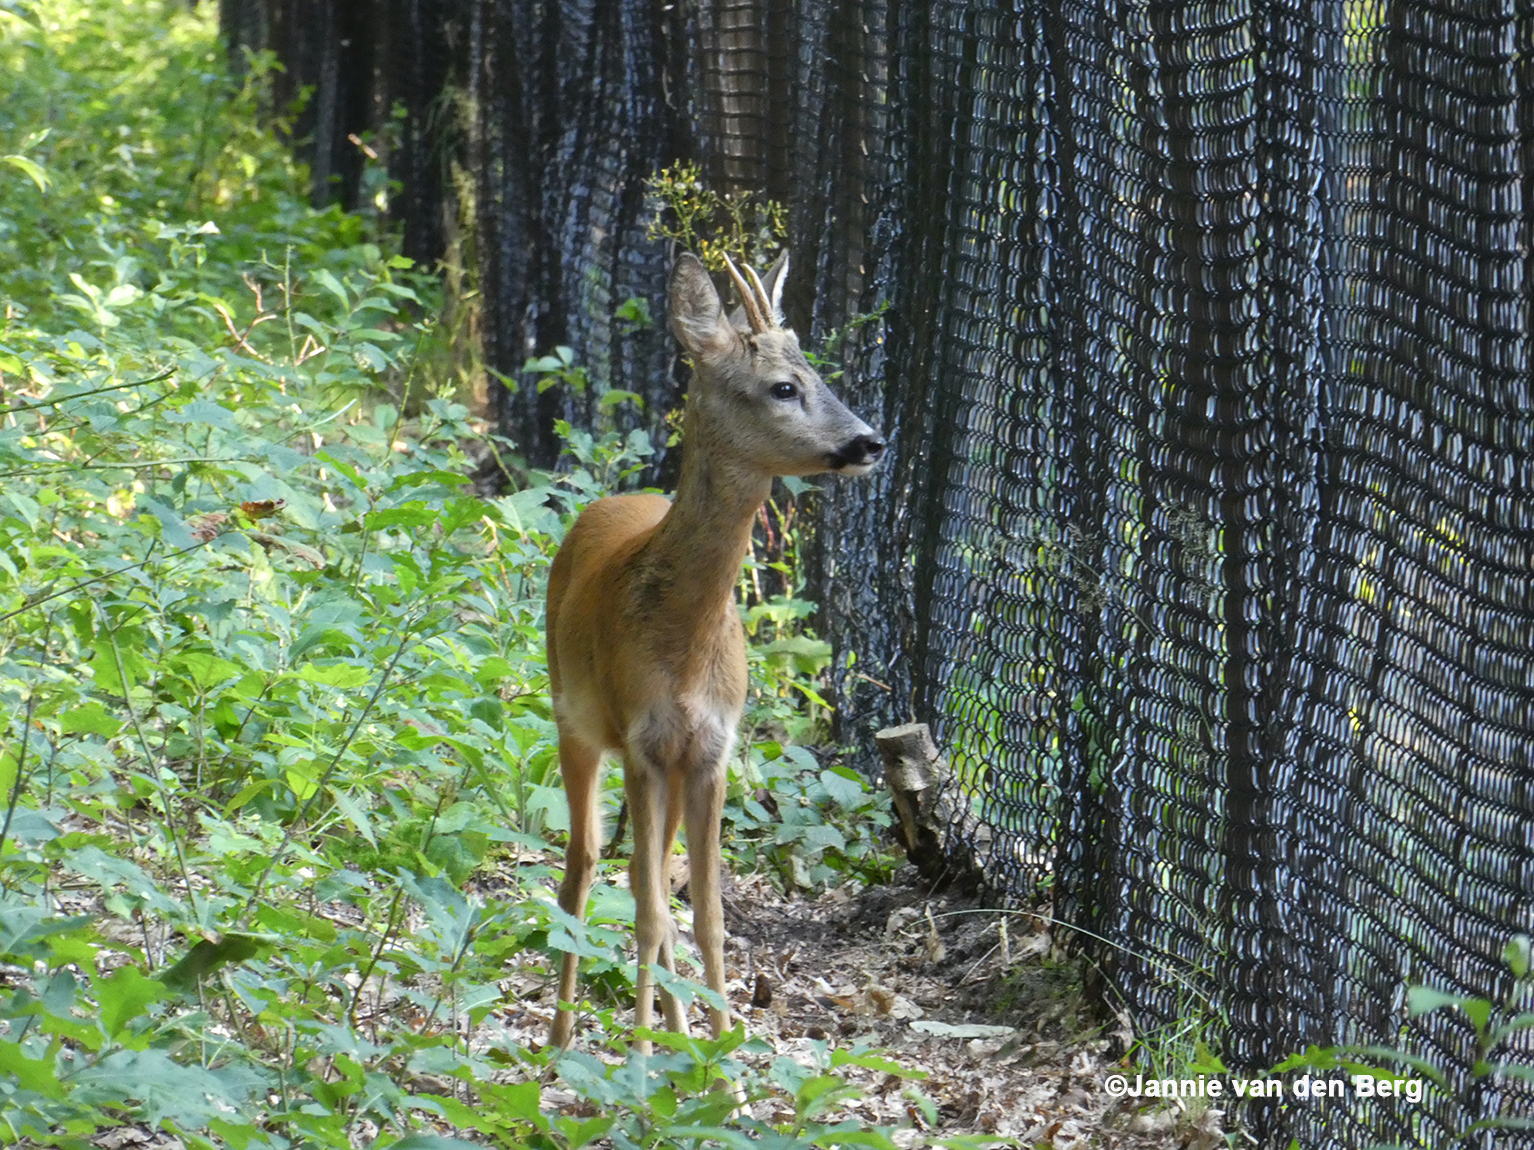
(773, 282)
(697, 316)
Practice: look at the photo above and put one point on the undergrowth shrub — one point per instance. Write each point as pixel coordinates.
(271, 676)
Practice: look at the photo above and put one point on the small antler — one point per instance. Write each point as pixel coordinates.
(762, 298)
(753, 297)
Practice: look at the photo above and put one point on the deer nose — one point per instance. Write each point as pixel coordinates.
(871, 446)
(862, 451)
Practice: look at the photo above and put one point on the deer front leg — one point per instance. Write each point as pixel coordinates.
(704, 808)
(676, 1016)
(581, 767)
(647, 791)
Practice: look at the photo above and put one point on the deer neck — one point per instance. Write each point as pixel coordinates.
(700, 543)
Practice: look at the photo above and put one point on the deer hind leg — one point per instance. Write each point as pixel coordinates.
(646, 786)
(581, 766)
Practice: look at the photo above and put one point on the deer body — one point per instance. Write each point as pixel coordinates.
(647, 658)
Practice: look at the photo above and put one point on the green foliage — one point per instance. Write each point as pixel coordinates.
(807, 824)
(129, 113)
(254, 642)
(604, 460)
(271, 673)
(1497, 1029)
(825, 361)
(665, 1099)
(714, 225)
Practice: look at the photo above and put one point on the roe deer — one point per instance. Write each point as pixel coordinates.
(646, 653)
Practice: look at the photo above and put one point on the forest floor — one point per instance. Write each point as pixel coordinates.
(991, 1019)
(991, 1024)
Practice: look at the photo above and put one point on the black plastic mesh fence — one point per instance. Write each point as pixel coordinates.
(1207, 542)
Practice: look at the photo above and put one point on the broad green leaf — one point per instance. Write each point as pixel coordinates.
(355, 815)
(24, 930)
(302, 779)
(871, 1061)
(347, 676)
(345, 468)
(818, 1094)
(204, 412)
(375, 360)
(173, 529)
(458, 1114)
(113, 663)
(36, 1074)
(287, 923)
(844, 785)
(801, 757)
(238, 1135)
(410, 515)
(520, 1100)
(26, 506)
(583, 1132)
(813, 836)
(204, 668)
(207, 955)
(329, 282)
(30, 168)
(1422, 999)
(112, 872)
(250, 791)
(1519, 955)
(1478, 1010)
(613, 396)
(164, 1089)
(124, 996)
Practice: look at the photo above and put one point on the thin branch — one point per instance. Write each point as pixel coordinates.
(73, 587)
(127, 466)
(324, 779)
(149, 761)
(393, 921)
(54, 402)
(21, 764)
(240, 340)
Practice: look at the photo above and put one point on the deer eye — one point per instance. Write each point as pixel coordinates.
(784, 391)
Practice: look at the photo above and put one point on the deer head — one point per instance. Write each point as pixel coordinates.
(756, 403)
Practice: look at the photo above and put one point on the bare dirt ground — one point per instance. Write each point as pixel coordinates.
(979, 1000)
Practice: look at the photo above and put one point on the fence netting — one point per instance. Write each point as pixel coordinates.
(1207, 540)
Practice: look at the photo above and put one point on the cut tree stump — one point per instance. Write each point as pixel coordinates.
(918, 778)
